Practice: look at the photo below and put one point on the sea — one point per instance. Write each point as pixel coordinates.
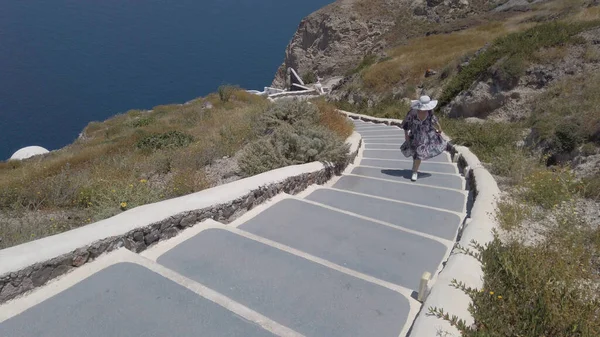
(64, 63)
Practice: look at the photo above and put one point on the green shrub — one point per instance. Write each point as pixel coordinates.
(510, 70)
(367, 61)
(567, 137)
(304, 144)
(588, 149)
(309, 77)
(534, 290)
(287, 113)
(260, 156)
(488, 140)
(290, 145)
(548, 188)
(225, 92)
(141, 122)
(566, 115)
(171, 139)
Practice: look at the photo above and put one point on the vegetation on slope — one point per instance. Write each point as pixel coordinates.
(542, 271)
(566, 116)
(542, 274)
(297, 133)
(141, 157)
(514, 51)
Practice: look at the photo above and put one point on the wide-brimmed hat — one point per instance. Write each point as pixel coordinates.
(424, 103)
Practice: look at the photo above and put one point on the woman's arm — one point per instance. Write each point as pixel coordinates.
(406, 123)
(436, 123)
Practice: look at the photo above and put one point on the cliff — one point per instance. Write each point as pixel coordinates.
(334, 39)
(330, 40)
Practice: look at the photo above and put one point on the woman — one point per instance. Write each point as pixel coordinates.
(422, 132)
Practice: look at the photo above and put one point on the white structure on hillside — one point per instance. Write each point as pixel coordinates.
(295, 87)
(28, 152)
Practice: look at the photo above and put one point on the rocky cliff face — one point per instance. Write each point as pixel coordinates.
(331, 40)
(335, 39)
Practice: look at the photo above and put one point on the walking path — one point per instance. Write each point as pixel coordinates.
(343, 260)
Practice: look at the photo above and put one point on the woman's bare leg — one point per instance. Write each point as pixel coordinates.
(415, 170)
(416, 164)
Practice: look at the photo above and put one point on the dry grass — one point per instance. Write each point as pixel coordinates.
(567, 115)
(409, 62)
(588, 14)
(368, 9)
(333, 120)
(105, 173)
(141, 157)
(542, 287)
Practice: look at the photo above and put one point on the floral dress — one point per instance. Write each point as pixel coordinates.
(424, 142)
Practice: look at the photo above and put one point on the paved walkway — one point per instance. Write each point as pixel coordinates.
(339, 260)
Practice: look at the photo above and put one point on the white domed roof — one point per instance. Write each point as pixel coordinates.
(28, 152)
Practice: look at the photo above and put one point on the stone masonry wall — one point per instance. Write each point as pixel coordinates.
(18, 283)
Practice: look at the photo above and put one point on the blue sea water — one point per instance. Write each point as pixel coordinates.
(64, 63)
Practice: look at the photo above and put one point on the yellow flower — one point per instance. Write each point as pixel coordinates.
(130, 185)
(499, 297)
(491, 293)
(89, 220)
(123, 204)
(143, 181)
(113, 191)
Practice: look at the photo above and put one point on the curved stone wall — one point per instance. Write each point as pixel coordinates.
(33, 264)
(461, 267)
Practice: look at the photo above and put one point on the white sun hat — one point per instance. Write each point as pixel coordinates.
(424, 103)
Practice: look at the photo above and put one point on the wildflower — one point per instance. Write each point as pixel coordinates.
(123, 205)
(39, 193)
(113, 191)
(143, 181)
(89, 220)
(130, 185)
(499, 297)
(491, 293)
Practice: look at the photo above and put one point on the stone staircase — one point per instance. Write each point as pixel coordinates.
(344, 259)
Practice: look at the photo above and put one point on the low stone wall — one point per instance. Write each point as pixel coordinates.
(459, 266)
(311, 92)
(20, 274)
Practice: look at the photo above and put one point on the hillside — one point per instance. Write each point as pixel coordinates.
(141, 157)
(517, 83)
(334, 40)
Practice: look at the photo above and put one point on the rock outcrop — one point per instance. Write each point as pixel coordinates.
(332, 40)
(336, 38)
(493, 96)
